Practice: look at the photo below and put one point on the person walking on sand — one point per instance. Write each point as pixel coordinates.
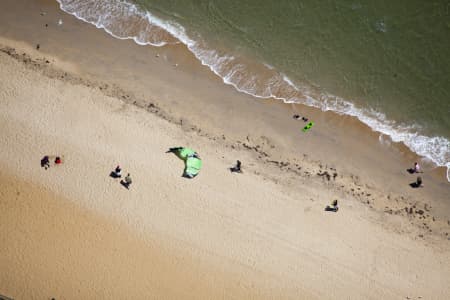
(416, 168)
(57, 160)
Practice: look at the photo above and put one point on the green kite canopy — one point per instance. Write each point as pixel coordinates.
(193, 166)
(185, 153)
(193, 163)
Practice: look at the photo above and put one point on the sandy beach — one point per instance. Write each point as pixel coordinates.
(74, 232)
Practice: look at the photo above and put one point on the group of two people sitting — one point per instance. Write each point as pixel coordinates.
(45, 161)
(117, 173)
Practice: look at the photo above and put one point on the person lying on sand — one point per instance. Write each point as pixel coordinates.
(297, 117)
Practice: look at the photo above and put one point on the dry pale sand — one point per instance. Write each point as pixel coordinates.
(73, 232)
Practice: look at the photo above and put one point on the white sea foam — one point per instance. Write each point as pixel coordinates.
(448, 171)
(114, 16)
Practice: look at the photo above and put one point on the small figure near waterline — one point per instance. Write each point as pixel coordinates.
(415, 169)
(297, 117)
(418, 183)
(333, 207)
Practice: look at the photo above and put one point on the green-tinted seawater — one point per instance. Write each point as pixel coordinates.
(392, 56)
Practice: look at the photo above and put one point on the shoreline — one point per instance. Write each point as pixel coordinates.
(338, 142)
(374, 123)
(341, 142)
(261, 151)
(265, 227)
(185, 61)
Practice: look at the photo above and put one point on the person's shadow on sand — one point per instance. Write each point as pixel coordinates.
(411, 171)
(331, 208)
(114, 175)
(125, 185)
(415, 185)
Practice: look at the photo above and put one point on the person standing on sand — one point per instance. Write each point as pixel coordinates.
(237, 168)
(416, 168)
(419, 181)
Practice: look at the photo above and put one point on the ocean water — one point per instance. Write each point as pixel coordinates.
(384, 62)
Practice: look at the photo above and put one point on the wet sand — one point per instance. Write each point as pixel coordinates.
(260, 234)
